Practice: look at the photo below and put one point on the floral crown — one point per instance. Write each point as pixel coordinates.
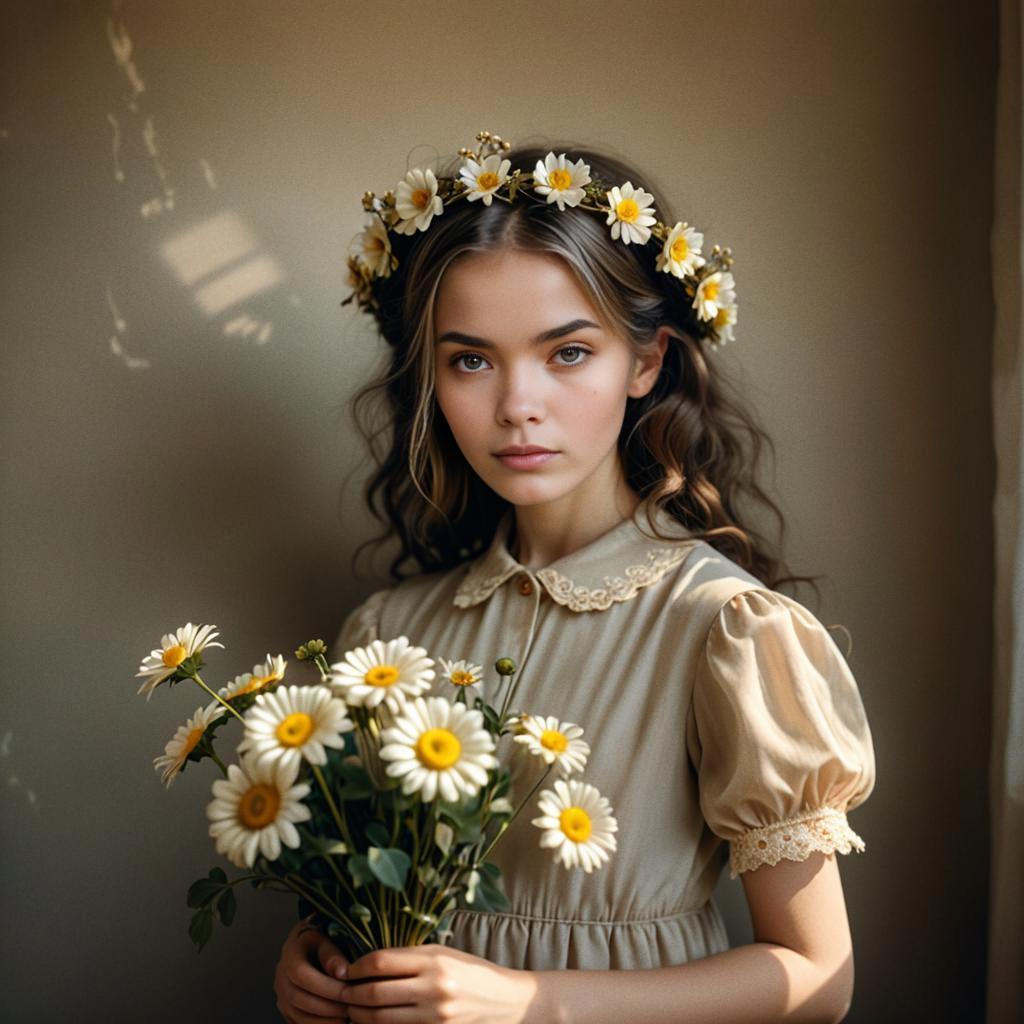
(486, 175)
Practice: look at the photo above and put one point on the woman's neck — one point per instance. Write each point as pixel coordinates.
(550, 531)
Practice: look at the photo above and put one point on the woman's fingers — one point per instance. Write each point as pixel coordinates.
(386, 992)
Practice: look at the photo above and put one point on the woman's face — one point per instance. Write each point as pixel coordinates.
(522, 360)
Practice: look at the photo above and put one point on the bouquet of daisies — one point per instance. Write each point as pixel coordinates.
(375, 793)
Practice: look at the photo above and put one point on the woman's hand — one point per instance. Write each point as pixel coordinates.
(305, 993)
(426, 984)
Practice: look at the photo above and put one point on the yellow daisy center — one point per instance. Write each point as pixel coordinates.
(255, 683)
(552, 739)
(487, 180)
(576, 824)
(381, 675)
(190, 742)
(295, 729)
(560, 179)
(680, 250)
(438, 749)
(711, 290)
(627, 210)
(721, 317)
(420, 198)
(259, 806)
(174, 656)
(460, 678)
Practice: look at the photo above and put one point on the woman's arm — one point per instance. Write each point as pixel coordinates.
(800, 968)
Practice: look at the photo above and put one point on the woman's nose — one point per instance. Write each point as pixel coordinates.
(520, 399)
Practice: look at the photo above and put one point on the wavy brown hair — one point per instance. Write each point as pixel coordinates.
(689, 446)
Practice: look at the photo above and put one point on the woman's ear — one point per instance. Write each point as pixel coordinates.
(647, 365)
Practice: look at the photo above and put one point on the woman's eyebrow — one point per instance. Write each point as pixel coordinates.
(555, 332)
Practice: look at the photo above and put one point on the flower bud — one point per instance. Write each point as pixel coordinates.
(505, 667)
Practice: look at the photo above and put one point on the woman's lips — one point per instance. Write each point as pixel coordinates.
(530, 461)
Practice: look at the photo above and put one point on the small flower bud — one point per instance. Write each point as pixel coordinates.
(505, 667)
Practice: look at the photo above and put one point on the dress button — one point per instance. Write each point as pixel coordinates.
(525, 587)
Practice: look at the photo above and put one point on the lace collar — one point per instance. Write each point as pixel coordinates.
(612, 568)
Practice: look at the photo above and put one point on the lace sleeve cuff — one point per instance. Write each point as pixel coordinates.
(825, 830)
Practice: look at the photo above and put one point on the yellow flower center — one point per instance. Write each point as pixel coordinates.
(174, 656)
(721, 317)
(259, 806)
(438, 749)
(627, 210)
(560, 179)
(190, 742)
(420, 198)
(575, 823)
(711, 290)
(375, 244)
(680, 250)
(256, 683)
(295, 729)
(463, 678)
(552, 739)
(381, 675)
(487, 180)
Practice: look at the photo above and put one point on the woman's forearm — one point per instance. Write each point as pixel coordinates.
(751, 984)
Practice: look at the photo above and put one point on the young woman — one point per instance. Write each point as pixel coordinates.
(563, 471)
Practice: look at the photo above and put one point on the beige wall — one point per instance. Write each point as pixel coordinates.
(173, 461)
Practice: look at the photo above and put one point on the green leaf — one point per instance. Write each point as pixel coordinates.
(377, 834)
(467, 821)
(390, 867)
(489, 894)
(356, 784)
(200, 928)
(358, 910)
(323, 846)
(359, 869)
(205, 890)
(226, 906)
(444, 836)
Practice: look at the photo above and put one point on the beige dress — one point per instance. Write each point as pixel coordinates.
(717, 711)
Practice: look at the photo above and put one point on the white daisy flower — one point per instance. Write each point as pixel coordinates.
(724, 321)
(715, 291)
(185, 642)
(680, 255)
(184, 741)
(293, 723)
(561, 180)
(417, 201)
(554, 741)
(438, 748)
(577, 823)
(261, 677)
(461, 673)
(255, 810)
(373, 247)
(631, 214)
(484, 179)
(388, 672)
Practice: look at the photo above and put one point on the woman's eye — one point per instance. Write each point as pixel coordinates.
(573, 354)
(468, 361)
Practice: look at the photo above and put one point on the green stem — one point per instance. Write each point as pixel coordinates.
(515, 814)
(338, 819)
(367, 935)
(217, 697)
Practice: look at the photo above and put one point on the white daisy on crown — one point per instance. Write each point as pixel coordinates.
(561, 180)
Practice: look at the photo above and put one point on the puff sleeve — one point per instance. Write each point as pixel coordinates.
(777, 733)
(360, 626)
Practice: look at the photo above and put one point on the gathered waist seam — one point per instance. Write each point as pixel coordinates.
(599, 921)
